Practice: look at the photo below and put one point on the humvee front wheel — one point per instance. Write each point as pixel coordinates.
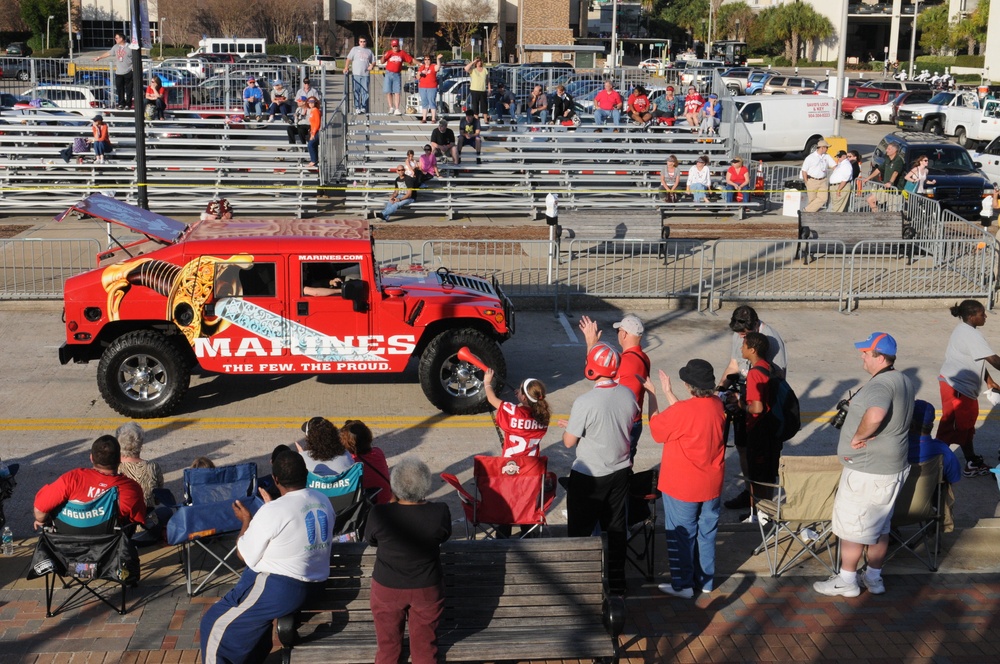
(455, 386)
(143, 375)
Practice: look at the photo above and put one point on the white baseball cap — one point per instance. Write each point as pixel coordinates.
(631, 324)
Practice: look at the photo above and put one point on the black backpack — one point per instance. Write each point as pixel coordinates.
(784, 407)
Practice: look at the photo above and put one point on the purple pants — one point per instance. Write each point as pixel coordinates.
(391, 607)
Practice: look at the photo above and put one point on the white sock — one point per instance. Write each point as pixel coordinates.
(849, 577)
(873, 574)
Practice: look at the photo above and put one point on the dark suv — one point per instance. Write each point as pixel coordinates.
(958, 186)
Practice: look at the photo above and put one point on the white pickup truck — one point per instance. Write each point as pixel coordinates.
(958, 114)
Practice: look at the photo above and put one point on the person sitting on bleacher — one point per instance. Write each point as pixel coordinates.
(670, 179)
(300, 123)
(279, 102)
(538, 106)
(85, 484)
(404, 194)
(667, 109)
(323, 451)
(711, 115)
(608, 104)
(156, 99)
(504, 104)
(737, 180)
(428, 165)
(443, 141)
(253, 100)
(638, 106)
(469, 133)
(693, 104)
(563, 111)
(699, 179)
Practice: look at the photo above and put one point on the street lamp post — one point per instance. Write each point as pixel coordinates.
(614, 34)
(161, 21)
(315, 51)
(69, 27)
(913, 37)
(47, 24)
(737, 29)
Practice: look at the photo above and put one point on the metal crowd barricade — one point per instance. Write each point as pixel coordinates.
(954, 269)
(398, 253)
(887, 198)
(37, 268)
(770, 270)
(524, 268)
(775, 178)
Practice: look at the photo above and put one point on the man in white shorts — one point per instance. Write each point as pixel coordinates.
(873, 448)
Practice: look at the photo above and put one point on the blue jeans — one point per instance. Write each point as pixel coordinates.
(729, 197)
(100, 148)
(313, 147)
(691, 530)
(391, 208)
(283, 109)
(392, 82)
(698, 190)
(600, 116)
(499, 112)
(252, 108)
(360, 84)
(428, 99)
(542, 117)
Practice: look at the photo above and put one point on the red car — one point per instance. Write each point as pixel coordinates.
(857, 97)
(274, 297)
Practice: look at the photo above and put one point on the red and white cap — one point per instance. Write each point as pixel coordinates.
(394, 42)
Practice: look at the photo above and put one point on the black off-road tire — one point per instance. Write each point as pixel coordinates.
(143, 375)
(453, 386)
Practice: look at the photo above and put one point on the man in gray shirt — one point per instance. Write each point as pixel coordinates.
(360, 59)
(873, 449)
(598, 426)
(123, 70)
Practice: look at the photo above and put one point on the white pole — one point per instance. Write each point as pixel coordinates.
(614, 33)
(69, 27)
(913, 37)
(841, 66)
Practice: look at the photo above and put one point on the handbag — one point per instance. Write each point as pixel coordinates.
(910, 187)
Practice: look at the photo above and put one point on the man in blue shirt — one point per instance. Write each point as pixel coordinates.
(253, 100)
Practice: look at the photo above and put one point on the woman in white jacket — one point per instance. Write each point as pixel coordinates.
(699, 179)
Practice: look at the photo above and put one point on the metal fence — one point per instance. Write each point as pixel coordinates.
(702, 273)
(35, 268)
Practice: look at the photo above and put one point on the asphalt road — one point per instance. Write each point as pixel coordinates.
(49, 414)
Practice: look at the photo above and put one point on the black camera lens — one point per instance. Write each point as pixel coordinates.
(837, 421)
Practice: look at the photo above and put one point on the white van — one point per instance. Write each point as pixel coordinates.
(787, 123)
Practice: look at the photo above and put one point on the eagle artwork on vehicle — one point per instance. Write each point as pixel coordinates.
(287, 296)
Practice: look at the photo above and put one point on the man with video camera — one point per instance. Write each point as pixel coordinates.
(873, 449)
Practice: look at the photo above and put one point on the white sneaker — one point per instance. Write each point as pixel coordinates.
(397, 112)
(836, 586)
(874, 586)
(686, 593)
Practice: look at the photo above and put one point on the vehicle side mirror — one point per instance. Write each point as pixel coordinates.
(977, 164)
(356, 290)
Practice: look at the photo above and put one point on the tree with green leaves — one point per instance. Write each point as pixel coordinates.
(796, 23)
(35, 14)
(689, 15)
(734, 21)
(971, 30)
(935, 31)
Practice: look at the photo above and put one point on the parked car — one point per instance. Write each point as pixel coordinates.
(755, 82)
(19, 49)
(171, 77)
(197, 66)
(7, 100)
(14, 67)
(858, 97)
(317, 63)
(787, 85)
(653, 64)
(989, 158)
(959, 184)
(898, 86)
(81, 99)
(735, 78)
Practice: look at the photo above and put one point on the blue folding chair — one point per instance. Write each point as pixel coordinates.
(348, 498)
(85, 546)
(207, 515)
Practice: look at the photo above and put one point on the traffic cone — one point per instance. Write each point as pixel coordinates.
(758, 184)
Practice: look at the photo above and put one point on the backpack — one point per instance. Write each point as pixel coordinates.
(784, 407)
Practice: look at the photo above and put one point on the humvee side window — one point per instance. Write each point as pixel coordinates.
(243, 280)
(325, 278)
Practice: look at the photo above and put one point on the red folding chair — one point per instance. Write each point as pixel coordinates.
(509, 491)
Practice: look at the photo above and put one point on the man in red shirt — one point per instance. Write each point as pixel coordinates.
(85, 484)
(393, 83)
(634, 369)
(608, 103)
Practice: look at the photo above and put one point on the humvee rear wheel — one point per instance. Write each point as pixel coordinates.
(143, 375)
(451, 384)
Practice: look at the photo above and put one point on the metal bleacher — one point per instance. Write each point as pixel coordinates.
(190, 161)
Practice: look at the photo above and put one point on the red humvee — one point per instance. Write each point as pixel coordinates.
(277, 296)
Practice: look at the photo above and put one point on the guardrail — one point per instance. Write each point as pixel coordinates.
(704, 273)
(36, 268)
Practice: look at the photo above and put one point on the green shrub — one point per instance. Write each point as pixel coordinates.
(970, 60)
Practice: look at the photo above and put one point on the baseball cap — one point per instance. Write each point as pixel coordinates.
(880, 341)
(97, 118)
(394, 42)
(700, 160)
(842, 153)
(713, 96)
(277, 81)
(251, 80)
(923, 412)
(469, 111)
(630, 324)
(822, 144)
(303, 98)
(698, 374)
(670, 88)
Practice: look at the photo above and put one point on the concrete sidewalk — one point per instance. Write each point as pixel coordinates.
(951, 615)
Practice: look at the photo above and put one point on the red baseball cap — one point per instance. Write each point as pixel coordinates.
(394, 42)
